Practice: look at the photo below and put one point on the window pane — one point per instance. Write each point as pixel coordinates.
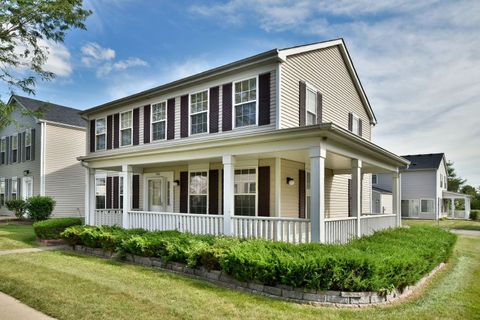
(158, 112)
(198, 183)
(198, 204)
(311, 118)
(245, 114)
(427, 206)
(101, 142)
(199, 102)
(126, 120)
(245, 205)
(246, 91)
(158, 130)
(311, 102)
(126, 137)
(100, 126)
(28, 137)
(199, 123)
(100, 202)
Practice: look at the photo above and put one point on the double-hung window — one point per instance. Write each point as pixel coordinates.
(100, 192)
(245, 189)
(28, 144)
(311, 106)
(126, 128)
(199, 112)
(14, 191)
(427, 206)
(14, 148)
(2, 192)
(245, 102)
(101, 133)
(355, 124)
(159, 112)
(3, 148)
(198, 192)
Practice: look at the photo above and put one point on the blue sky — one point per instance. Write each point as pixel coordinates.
(419, 61)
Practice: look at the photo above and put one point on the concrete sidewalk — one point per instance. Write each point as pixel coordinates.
(29, 250)
(12, 309)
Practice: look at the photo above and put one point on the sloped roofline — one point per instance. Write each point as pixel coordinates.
(427, 154)
(274, 55)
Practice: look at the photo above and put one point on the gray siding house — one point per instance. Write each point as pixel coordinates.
(424, 189)
(38, 156)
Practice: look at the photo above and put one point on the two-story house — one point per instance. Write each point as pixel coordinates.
(424, 189)
(38, 156)
(277, 145)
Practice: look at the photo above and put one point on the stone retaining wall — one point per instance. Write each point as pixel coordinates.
(298, 295)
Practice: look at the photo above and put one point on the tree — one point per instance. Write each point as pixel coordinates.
(454, 182)
(25, 25)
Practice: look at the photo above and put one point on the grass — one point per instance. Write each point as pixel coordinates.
(16, 236)
(446, 224)
(70, 286)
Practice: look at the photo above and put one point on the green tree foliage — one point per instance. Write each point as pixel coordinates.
(24, 24)
(474, 194)
(454, 182)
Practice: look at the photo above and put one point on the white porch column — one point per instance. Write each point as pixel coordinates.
(127, 194)
(90, 196)
(228, 194)
(452, 207)
(356, 194)
(467, 207)
(317, 185)
(397, 197)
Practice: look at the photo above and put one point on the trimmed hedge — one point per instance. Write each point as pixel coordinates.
(381, 262)
(52, 228)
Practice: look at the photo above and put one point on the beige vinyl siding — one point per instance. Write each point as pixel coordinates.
(205, 85)
(324, 69)
(367, 194)
(336, 194)
(64, 175)
(270, 163)
(289, 194)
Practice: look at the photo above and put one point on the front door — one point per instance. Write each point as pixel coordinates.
(159, 192)
(27, 187)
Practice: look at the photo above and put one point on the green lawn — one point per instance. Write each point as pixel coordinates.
(71, 286)
(16, 236)
(447, 224)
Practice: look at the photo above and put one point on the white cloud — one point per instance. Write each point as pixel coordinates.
(58, 59)
(121, 65)
(94, 53)
(419, 62)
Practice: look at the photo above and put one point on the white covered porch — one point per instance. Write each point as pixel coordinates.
(450, 209)
(332, 212)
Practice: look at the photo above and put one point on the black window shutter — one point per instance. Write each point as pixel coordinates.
(146, 123)
(171, 119)
(136, 126)
(350, 121)
(7, 189)
(301, 194)
(116, 130)
(302, 100)
(19, 148)
(24, 153)
(184, 116)
(319, 107)
(227, 107)
(32, 148)
(213, 192)
(214, 103)
(115, 204)
(109, 131)
(7, 150)
(108, 191)
(183, 192)
(19, 188)
(136, 191)
(349, 194)
(264, 191)
(264, 99)
(92, 135)
(360, 124)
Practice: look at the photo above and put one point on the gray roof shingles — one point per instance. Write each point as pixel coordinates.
(424, 161)
(53, 112)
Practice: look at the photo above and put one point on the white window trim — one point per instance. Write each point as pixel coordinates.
(190, 112)
(131, 128)
(105, 133)
(420, 206)
(101, 176)
(28, 131)
(152, 122)
(11, 189)
(234, 105)
(256, 187)
(15, 136)
(24, 188)
(202, 169)
(2, 180)
(3, 142)
(312, 88)
(357, 118)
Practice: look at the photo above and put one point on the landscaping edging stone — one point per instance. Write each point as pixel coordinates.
(298, 295)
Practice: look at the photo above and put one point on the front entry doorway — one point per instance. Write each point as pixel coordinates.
(159, 192)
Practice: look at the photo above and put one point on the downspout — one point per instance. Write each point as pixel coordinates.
(43, 134)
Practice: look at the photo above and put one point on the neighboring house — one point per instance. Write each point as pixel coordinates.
(424, 189)
(277, 145)
(38, 156)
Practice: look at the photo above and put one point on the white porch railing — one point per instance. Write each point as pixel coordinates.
(108, 217)
(371, 223)
(183, 222)
(340, 230)
(272, 228)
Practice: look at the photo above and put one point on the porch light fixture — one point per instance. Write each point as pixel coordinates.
(176, 183)
(290, 181)
(26, 172)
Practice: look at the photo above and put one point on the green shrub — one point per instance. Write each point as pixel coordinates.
(40, 207)
(52, 228)
(474, 215)
(17, 206)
